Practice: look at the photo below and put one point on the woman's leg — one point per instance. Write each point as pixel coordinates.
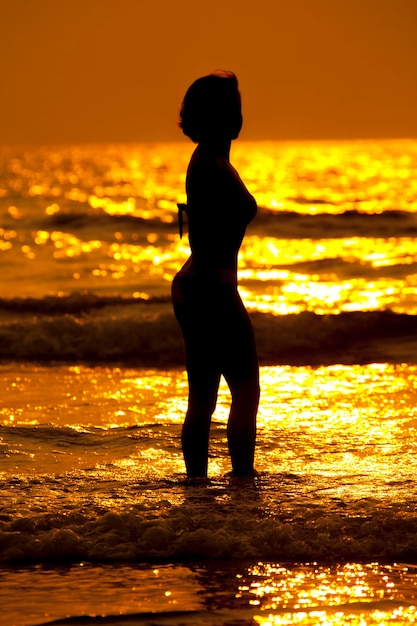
(241, 371)
(241, 426)
(203, 386)
(196, 321)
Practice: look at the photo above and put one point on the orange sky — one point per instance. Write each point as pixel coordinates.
(116, 70)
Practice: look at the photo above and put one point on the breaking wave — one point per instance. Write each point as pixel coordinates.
(205, 528)
(90, 328)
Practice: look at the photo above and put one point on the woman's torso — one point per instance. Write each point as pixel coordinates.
(219, 207)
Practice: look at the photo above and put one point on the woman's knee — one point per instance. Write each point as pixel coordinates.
(202, 406)
(246, 388)
(203, 389)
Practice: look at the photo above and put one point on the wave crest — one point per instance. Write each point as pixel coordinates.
(84, 328)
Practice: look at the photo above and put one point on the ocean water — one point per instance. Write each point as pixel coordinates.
(97, 521)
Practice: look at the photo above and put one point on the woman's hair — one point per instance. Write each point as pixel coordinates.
(212, 107)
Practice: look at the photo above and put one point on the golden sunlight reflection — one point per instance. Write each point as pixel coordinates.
(339, 421)
(270, 251)
(354, 593)
(330, 423)
(277, 275)
(328, 177)
(69, 246)
(343, 275)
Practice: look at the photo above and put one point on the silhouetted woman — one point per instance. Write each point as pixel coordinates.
(217, 330)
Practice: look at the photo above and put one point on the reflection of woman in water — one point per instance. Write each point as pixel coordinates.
(217, 330)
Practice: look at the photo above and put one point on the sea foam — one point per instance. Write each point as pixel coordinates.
(203, 528)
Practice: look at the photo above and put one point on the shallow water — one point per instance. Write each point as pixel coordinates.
(229, 594)
(336, 418)
(92, 471)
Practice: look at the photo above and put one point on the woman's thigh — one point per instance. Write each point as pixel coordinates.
(200, 334)
(218, 334)
(237, 340)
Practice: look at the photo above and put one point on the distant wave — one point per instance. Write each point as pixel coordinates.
(78, 220)
(352, 223)
(352, 269)
(75, 303)
(88, 328)
(77, 215)
(280, 224)
(83, 218)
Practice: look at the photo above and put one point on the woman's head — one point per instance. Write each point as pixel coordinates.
(212, 108)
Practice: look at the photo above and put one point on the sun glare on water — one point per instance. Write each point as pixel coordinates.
(333, 595)
(78, 189)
